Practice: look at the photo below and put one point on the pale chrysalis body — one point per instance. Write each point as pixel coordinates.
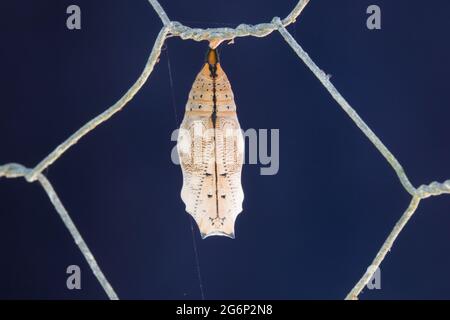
(211, 149)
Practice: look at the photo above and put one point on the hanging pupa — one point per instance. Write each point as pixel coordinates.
(211, 151)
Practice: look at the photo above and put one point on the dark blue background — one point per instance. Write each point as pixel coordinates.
(308, 232)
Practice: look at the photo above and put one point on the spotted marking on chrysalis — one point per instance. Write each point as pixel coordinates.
(211, 150)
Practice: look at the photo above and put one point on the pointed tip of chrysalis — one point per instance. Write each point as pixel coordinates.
(212, 57)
